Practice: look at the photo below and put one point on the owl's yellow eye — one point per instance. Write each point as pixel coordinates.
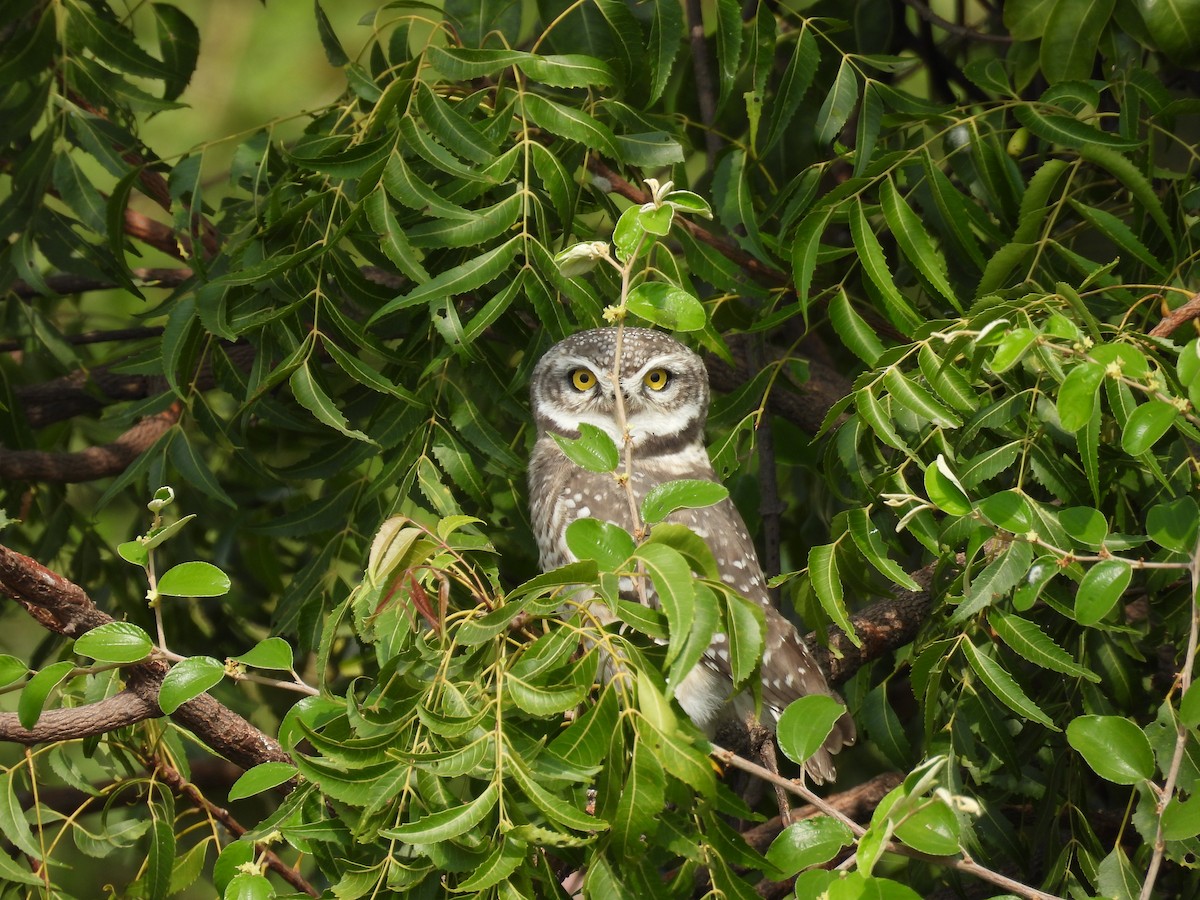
(656, 379)
(583, 379)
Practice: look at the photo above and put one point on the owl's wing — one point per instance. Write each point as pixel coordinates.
(789, 670)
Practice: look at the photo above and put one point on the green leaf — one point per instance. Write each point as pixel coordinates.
(807, 843)
(1026, 19)
(667, 306)
(11, 669)
(246, 886)
(1028, 640)
(452, 129)
(133, 552)
(116, 642)
(13, 824)
(944, 489)
(571, 70)
(1011, 349)
(271, 653)
(593, 450)
(392, 238)
(312, 397)
(729, 45)
(1084, 524)
(866, 137)
(1069, 131)
(805, 724)
(1181, 818)
(805, 246)
(676, 590)
(1114, 747)
(448, 823)
(1146, 425)
(859, 337)
(187, 680)
(918, 400)
(823, 573)
(1070, 37)
(1175, 27)
(915, 242)
(838, 103)
(999, 577)
(797, 79)
(179, 43)
(403, 184)
(193, 579)
(866, 537)
(1189, 706)
(932, 828)
(666, 35)
(870, 254)
(1174, 525)
(333, 48)
(1120, 234)
(1004, 686)
(261, 778)
(1077, 395)
(1008, 510)
(1126, 172)
(641, 802)
(468, 276)
(1100, 590)
(37, 689)
(685, 493)
(570, 123)
(609, 545)
(505, 858)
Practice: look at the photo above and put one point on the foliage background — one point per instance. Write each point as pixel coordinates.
(966, 245)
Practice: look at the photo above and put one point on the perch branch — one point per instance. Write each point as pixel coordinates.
(126, 708)
(1177, 317)
(92, 463)
(63, 607)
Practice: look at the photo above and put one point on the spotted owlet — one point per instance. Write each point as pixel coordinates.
(665, 391)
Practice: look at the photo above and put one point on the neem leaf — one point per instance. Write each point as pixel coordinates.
(115, 642)
(1115, 748)
(189, 679)
(686, 493)
(667, 306)
(593, 450)
(193, 579)
(805, 724)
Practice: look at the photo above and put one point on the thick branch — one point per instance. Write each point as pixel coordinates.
(882, 627)
(125, 708)
(1177, 317)
(63, 607)
(92, 463)
(805, 406)
(66, 284)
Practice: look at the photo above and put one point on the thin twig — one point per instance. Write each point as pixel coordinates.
(704, 83)
(1182, 734)
(954, 28)
(962, 864)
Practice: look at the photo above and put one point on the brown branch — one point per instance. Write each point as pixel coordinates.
(758, 271)
(702, 72)
(92, 463)
(64, 608)
(157, 235)
(805, 405)
(954, 28)
(125, 708)
(173, 779)
(1177, 317)
(882, 627)
(64, 284)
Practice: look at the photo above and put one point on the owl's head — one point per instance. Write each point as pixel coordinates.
(665, 388)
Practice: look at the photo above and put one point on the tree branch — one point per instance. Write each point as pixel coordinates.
(64, 608)
(954, 28)
(1177, 317)
(66, 284)
(92, 463)
(882, 627)
(125, 708)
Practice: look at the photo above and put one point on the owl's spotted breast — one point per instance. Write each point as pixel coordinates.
(664, 389)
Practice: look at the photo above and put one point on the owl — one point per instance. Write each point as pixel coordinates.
(664, 387)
